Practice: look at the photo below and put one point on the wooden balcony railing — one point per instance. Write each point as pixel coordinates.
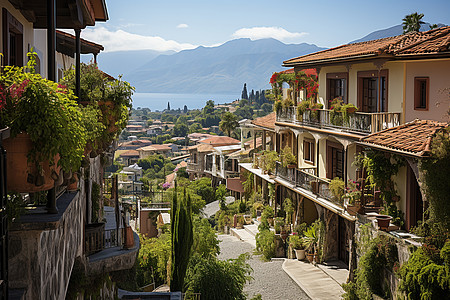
(98, 239)
(358, 122)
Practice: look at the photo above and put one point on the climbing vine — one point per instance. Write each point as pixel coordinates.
(297, 81)
(436, 171)
(381, 167)
(379, 254)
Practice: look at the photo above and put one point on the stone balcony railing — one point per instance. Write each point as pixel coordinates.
(359, 122)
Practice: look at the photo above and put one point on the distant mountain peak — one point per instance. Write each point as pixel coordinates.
(391, 31)
(221, 69)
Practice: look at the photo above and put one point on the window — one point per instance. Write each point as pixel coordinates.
(337, 86)
(421, 88)
(372, 91)
(308, 151)
(335, 160)
(12, 40)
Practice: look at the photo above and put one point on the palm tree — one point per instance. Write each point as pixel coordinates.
(229, 123)
(412, 22)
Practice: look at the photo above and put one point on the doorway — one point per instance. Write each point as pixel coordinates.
(414, 201)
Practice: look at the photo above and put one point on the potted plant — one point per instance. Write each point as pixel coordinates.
(268, 214)
(296, 243)
(287, 158)
(279, 225)
(301, 109)
(44, 118)
(310, 241)
(112, 97)
(269, 159)
(337, 188)
(335, 113)
(347, 110)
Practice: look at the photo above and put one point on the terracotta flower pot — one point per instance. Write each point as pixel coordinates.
(310, 257)
(129, 243)
(74, 185)
(351, 110)
(24, 177)
(383, 221)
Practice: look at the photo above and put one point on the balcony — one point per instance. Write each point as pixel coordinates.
(302, 178)
(359, 122)
(194, 167)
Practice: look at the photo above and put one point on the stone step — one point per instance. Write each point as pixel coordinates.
(243, 235)
(252, 229)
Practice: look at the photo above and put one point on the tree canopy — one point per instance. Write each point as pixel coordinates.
(412, 22)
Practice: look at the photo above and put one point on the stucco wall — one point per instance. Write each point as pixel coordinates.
(395, 82)
(439, 94)
(28, 37)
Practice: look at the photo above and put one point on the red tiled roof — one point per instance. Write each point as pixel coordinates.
(220, 140)
(202, 148)
(413, 137)
(413, 43)
(130, 153)
(156, 147)
(266, 121)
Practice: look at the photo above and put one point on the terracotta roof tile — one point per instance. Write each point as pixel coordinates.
(130, 153)
(266, 121)
(155, 147)
(202, 148)
(220, 140)
(414, 137)
(432, 41)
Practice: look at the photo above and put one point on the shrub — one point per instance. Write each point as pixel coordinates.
(265, 244)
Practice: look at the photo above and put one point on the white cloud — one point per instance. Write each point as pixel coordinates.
(182, 26)
(121, 40)
(257, 33)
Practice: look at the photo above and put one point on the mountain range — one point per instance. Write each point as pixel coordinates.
(220, 70)
(213, 70)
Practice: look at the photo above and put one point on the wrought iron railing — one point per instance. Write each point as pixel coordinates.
(305, 180)
(111, 238)
(95, 238)
(359, 122)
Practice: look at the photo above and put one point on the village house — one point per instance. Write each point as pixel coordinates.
(391, 82)
(164, 149)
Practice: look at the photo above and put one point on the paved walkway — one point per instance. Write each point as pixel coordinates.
(318, 282)
(269, 279)
(315, 282)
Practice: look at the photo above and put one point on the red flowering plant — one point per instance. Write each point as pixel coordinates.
(352, 192)
(45, 111)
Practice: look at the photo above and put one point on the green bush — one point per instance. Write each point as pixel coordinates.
(426, 275)
(265, 244)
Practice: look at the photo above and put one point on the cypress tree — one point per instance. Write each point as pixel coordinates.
(185, 109)
(182, 240)
(244, 92)
(168, 105)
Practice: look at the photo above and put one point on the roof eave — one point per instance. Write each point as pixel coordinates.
(333, 61)
(421, 154)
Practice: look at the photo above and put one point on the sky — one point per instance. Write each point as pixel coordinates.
(179, 24)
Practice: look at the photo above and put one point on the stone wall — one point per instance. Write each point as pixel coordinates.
(41, 260)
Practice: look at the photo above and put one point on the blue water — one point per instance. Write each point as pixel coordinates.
(158, 101)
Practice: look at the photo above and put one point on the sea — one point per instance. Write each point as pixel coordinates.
(158, 101)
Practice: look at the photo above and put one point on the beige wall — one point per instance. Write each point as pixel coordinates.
(395, 82)
(439, 99)
(28, 39)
